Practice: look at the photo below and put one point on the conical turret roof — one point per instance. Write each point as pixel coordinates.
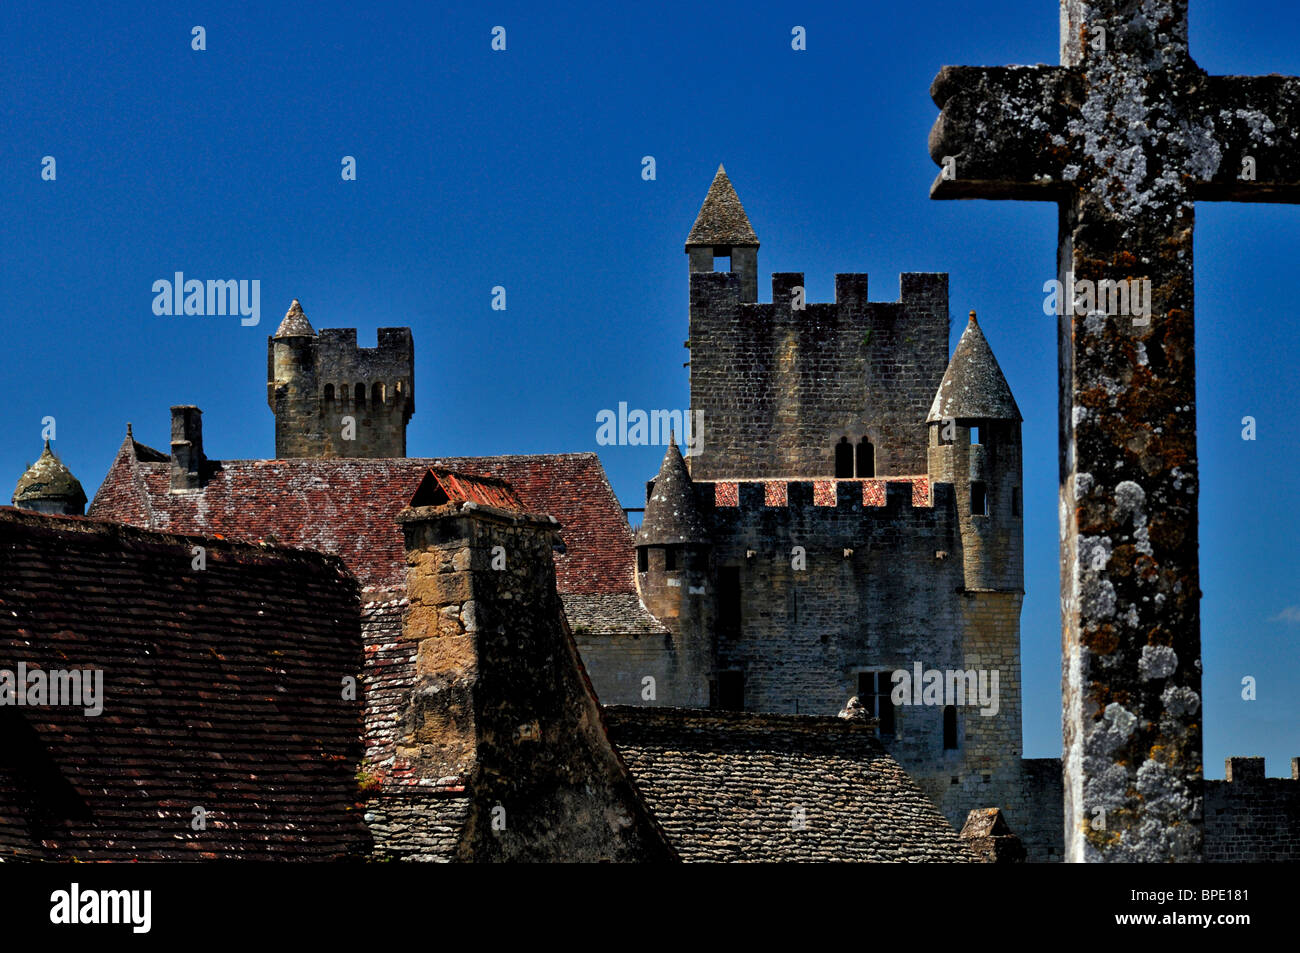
(973, 385)
(670, 514)
(722, 219)
(49, 480)
(295, 323)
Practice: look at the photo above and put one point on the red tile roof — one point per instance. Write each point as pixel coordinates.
(349, 507)
(221, 691)
(441, 485)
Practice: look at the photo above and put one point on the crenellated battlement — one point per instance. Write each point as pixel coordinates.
(893, 493)
(915, 289)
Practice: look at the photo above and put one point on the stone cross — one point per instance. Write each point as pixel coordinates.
(1125, 136)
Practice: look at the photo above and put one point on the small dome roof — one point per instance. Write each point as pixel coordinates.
(670, 514)
(49, 480)
(295, 323)
(973, 386)
(722, 220)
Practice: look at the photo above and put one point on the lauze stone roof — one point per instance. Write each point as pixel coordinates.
(221, 691)
(730, 786)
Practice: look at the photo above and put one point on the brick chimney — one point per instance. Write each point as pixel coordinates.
(187, 448)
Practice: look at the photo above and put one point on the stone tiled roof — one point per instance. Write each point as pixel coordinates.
(973, 386)
(727, 787)
(722, 220)
(670, 514)
(619, 613)
(295, 323)
(49, 479)
(220, 691)
(349, 507)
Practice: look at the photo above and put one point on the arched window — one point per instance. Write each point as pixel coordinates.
(329, 392)
(866, 459)
(950, 728)
(360, 394)
(377, 393)
(844, 459)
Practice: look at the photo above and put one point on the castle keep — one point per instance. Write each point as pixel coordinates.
(334, 399)
(855, 510)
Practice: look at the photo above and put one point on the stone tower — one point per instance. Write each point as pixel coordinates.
(975, 445)
(333, 399)
(673, 571)
(795, 389)
(49, 487)
(853, 517)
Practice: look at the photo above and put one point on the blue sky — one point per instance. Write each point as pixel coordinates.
(523, 169)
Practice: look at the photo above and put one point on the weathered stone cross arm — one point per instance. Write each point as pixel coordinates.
(1009, 132)
(998, 131)
(1255, 117)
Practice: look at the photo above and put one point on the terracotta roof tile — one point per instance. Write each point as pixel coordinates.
(349, 507)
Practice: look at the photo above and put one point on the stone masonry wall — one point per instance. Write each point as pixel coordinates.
(881, 591)
(778, 388)
(1253, 818)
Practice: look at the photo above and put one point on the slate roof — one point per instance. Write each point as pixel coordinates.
(220, 691)
(349, 507)
(670, 514)
(727, 786)
(722, 220)
(49, 479)
(295, 323)
(973, 386)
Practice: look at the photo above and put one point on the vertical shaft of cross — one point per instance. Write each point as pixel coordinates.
(1131, 646)
(1129, 580)
(1124, 135)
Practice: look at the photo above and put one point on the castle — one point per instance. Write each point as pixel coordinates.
(855, 511)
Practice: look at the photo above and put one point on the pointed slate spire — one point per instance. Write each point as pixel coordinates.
(973, 385)
(295, 323)
(722, 220)
(670, 514)
(49, 487)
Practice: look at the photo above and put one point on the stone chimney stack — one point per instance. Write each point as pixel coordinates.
(988, 836)
(187, 448)
(501, 700)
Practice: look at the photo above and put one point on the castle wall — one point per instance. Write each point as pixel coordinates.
(778, 387)
(1251, 818)
(1036, 809)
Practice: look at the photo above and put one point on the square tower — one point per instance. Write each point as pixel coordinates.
(334, 399)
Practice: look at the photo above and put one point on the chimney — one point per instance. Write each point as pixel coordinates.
(988, 836)
(501, 704)
(187, 448)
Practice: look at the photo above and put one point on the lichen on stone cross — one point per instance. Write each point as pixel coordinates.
(1126, 135)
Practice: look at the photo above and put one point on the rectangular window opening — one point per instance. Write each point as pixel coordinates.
(731, 691)
(729, 600)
